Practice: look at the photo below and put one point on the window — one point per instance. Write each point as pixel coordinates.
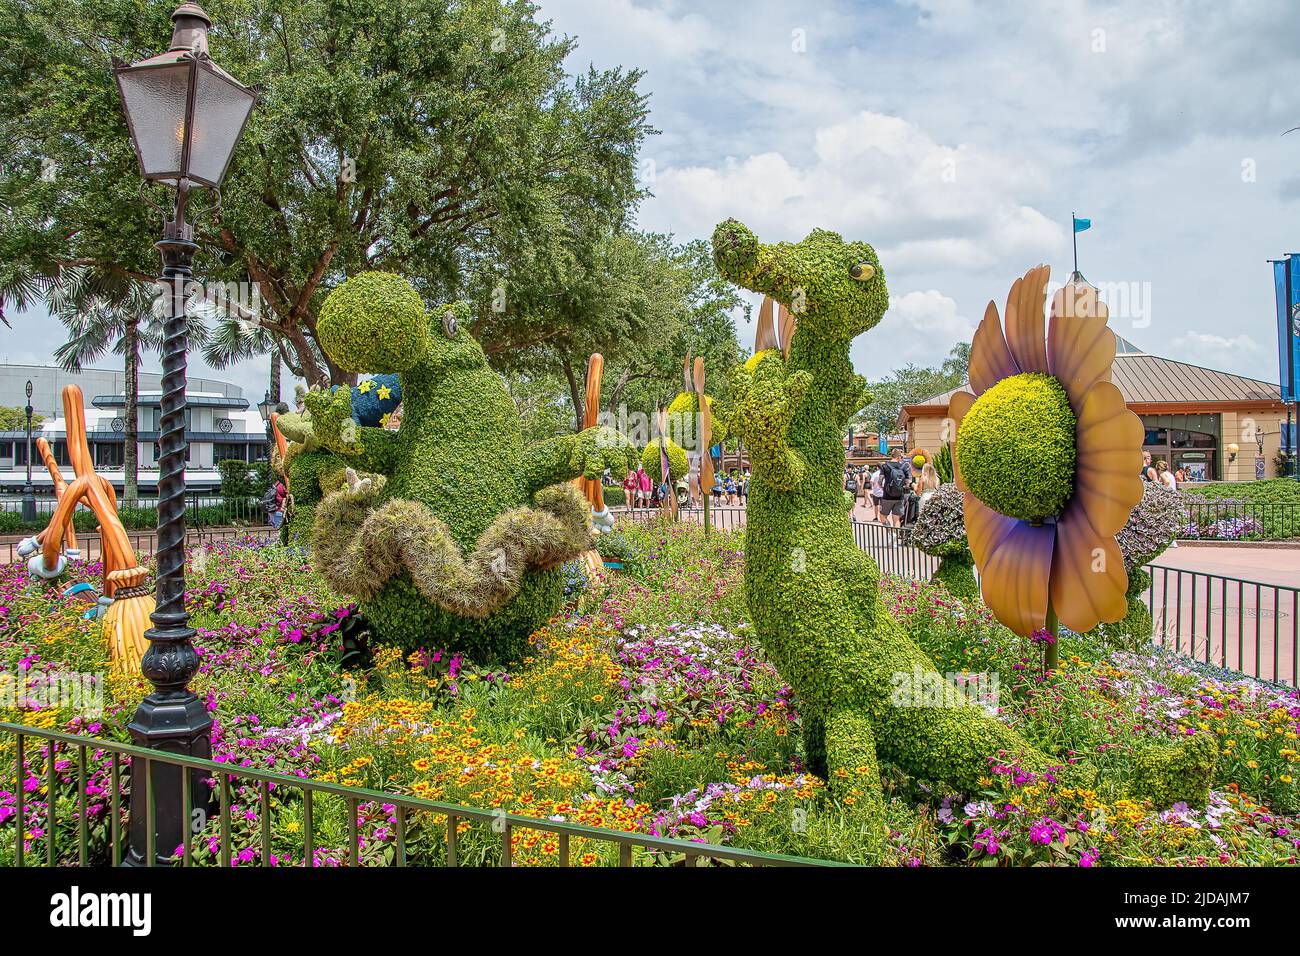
(226, 451)
(109, 454)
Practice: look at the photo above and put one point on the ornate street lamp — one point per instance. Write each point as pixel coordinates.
(29, 493)
(185, 115)
(265, 407)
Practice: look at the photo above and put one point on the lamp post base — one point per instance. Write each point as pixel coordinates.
(173, 722)
(29, 505)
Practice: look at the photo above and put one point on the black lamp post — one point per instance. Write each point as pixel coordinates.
(185, 115)
(29, 493)
(265, 407)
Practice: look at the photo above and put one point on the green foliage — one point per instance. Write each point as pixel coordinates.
(813, 595)
(677, 461)
(1166, 775)
(508, 159)
(375, 323)
(452, 537)
(15, 419)
(943, 463)
(957, 574)
(911, 385)
(617, 546)
(1016, 447)
(940, 528)
(237, 480)
(1272, 490)
(684, 426)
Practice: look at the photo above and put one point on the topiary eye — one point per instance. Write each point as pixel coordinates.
(449, 323)
(862, 271)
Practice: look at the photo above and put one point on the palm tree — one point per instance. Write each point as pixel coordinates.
(103, 316)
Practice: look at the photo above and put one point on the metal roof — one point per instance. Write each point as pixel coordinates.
(1145, 379)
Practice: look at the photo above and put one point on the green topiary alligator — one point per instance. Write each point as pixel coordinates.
(449, 531)
(812, 593)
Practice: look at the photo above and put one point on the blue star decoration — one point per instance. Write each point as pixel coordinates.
(375, 399)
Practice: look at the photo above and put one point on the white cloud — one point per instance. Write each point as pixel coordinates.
(1206, 348)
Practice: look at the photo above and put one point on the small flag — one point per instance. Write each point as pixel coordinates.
(1082, 224)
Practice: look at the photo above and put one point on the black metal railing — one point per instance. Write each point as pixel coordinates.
(145, 543)
(1240, 520)
(200, 511)
(1246, 626)
(725, 517)
(65, 763)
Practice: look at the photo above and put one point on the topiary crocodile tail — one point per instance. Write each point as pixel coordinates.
(360, 547)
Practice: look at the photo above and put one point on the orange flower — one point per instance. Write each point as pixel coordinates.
(1063, 555)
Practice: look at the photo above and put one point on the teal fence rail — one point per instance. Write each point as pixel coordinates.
(73, 772)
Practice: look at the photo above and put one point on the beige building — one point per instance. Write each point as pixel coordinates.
(1214, 425)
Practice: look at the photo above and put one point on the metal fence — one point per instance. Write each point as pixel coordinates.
(1240, 520)
(68, 756)
(725, 518)
(200, 511)
(1240, 625)
(146, 542)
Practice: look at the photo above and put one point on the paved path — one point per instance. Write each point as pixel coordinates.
(1234, 606)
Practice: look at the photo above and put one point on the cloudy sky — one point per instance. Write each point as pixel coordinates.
(958, 137)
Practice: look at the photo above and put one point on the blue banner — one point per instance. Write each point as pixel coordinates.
(1288, 343)
(1081, 224)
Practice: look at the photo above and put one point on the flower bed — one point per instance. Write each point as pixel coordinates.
(646, 707)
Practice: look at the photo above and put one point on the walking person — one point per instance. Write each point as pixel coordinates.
(643, 486)
(630, 489)
(877, 491)
(896, 486)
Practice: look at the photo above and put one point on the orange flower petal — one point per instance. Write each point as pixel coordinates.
(1080, 348)
(958, 405)
(1108, 443)
(990, 359)
(1015, 563)
(1088, 577)
(1024, 317)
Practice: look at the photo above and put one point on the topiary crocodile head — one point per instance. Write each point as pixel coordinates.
(376, 322)
(836, 289)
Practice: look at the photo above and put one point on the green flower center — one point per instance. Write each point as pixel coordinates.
(1015, 447)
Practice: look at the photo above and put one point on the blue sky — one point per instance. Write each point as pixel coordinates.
(957, 137)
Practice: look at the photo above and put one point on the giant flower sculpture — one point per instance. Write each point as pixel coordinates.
(1048, 458)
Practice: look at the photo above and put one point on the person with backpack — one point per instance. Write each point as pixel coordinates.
(895, 487)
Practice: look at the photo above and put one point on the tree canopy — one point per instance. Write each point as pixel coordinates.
(440, 140)
(911, 384)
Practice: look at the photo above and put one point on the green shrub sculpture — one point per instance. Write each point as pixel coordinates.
(1025, 476)
(677, 461)
(684, 421)
(812, 593)
(450, 531)
(940, 531)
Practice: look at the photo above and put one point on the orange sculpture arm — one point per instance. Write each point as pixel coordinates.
(60, 488)
(591, 413)
(120, 566)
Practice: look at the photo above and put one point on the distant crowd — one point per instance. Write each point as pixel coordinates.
(892, 492)
(641, 491)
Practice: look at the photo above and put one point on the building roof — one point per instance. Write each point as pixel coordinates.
(1145, 379)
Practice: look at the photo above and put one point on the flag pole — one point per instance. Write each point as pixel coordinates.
(1074, 234)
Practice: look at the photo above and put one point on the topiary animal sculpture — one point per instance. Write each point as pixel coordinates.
(450, 531)
(812, 593)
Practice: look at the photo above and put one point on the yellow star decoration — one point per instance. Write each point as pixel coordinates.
(365, 386)
(385, 392)
(383, 421)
